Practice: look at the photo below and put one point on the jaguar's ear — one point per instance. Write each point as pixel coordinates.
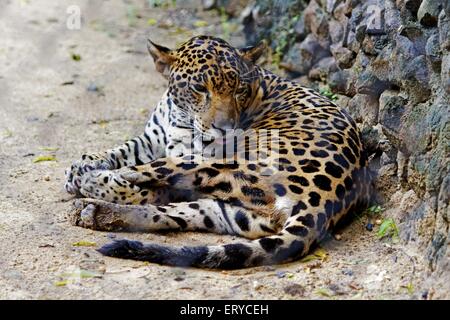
(252, 54)
(162, 56)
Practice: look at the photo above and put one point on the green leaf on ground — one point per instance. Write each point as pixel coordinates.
(103, 123)
(80, 274)
(327, 93)
(44, 158)
(61, 283)
(319, 253)
(84, 243)
(200, 23)
(388, 228)
(87, 274)
(375, 209)
(410, 288)
(7, 133)
(76, 57)
(152, 22)
(48, 148)
(324, 292)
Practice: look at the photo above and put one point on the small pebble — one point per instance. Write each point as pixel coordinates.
(92, 87)
(338, 237)
(336, 289)
(378, 222)
(425, 295)
(347, 272)
(281, 274)
(180, 274)
(294, 290)
(257, 285)
(32, 119)
(47, 178)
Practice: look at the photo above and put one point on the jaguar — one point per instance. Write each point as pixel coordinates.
(295, 167)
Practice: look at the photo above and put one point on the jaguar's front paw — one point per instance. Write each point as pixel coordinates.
(84, 214)
(110, 186)
(80, 167)
(100, 215)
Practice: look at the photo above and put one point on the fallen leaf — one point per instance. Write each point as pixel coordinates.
(320, 253)
(388, 228)
(61, 283)
(44, 158)
(200, 23)
(177, 31)
(76, 57)
(151, 22)
(48, 149)
(324, 292)
(7, 133)
(354, 286)
(409, 287)
(143, 264)
(83, 274)
(308, 258)
(83, 243)
(88, 274)
(103, 123)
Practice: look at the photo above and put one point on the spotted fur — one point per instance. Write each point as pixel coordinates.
(313, 176)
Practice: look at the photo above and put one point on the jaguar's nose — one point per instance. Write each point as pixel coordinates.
(223, 125)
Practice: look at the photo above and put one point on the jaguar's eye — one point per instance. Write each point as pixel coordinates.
(200, 88)
(241, 90)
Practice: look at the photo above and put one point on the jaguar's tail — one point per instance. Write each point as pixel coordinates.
(268, 250)
(290, 244)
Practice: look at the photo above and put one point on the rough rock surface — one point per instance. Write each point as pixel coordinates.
(389, 64)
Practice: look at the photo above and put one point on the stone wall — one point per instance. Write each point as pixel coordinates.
(388, 63)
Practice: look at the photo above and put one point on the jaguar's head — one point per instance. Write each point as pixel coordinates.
(209, 79)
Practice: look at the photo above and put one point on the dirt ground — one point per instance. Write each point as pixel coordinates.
(52, 104)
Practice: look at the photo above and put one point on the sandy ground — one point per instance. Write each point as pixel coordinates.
(38, 259)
